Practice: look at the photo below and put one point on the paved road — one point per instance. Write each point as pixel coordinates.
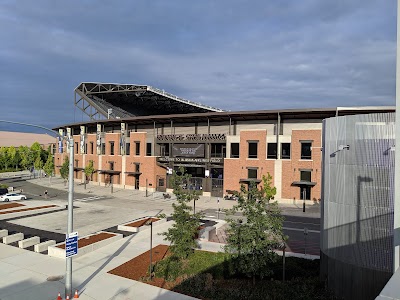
(293, 227)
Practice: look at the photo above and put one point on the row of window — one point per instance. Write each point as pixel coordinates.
(252, 173)
(217, 150)
(112, 148)
(272, 150)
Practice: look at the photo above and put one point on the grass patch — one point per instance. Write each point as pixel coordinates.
(208, 275)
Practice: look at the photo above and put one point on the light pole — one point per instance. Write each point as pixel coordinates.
(68, 269)
(304, 199)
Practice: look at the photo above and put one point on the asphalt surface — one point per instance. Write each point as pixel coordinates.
(299, 240)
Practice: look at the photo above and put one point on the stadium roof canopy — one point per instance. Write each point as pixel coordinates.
(118, 101)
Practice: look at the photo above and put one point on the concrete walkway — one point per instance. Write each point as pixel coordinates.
(28, 275)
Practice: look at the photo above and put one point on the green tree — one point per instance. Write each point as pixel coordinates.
(252, 241)
(89, 170)
(4, 158)
(38, 164)
(64, 170)
(49, 166)
(24, 157)
(186, 224)
(13, 156)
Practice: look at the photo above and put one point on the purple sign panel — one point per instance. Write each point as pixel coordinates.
(188, 150)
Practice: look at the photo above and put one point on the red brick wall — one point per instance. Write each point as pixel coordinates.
(291, 168)
(236, 168)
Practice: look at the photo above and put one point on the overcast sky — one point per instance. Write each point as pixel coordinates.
(235, 55)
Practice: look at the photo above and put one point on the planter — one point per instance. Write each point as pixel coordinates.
(86, 244)
(29, 211)
(140, 224)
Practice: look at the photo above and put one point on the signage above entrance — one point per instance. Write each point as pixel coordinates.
(191, 160)
(212, 137)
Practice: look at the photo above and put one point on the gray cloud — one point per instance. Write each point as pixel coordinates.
(237, 55)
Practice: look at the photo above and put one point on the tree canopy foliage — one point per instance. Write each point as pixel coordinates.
(186, 224)
(23, 157)
(251, 241)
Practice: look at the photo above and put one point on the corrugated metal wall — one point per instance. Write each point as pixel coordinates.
(357, 209)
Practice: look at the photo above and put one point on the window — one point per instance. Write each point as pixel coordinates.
(285, 150)
(252, 173)
(148, 149)
(305, 175)
(103, 148)
(305, 150)
(111, 148)
(272, 151)
(111, 165)
(76, 147)
(76, 163)
(164, 149)
(253, 149)
(137, 167)
(234, 150)
(86, 148)
(218, 150)
(91, 148)
(137, 148)
(128, 148)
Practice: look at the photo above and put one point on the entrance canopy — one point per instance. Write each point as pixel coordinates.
(303, 183)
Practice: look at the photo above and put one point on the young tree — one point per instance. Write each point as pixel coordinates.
(89, 170)
(183, 231)
(13, 156)
(49, 166)
(64, 170)
(38, 164)
(251, 241)
(24, 157)
(4, 158)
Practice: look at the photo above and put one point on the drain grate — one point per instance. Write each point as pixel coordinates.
(55, 278)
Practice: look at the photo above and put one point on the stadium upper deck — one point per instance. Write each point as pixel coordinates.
(117, 101)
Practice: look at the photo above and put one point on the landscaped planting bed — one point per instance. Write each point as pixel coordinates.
(140, 224)
(10, 205)
(26, 209)
(86, 244)
(82, 242)
(208, 275)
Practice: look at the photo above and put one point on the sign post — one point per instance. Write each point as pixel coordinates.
(71, 244)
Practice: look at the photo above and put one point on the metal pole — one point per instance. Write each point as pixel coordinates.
(194, 205)
(146, 187)
(151, 249)
(305, 240)
(304, 199)
(68, 276)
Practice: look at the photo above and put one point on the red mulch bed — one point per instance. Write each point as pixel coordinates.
(137, 268)
(10, 205)
(91, 239)
(26, 209)
(142, 222)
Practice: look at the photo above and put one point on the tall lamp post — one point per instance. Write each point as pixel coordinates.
(68, 268)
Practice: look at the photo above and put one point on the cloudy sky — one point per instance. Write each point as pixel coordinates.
(231, 54)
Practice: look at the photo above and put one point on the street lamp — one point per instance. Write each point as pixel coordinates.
(68, 268)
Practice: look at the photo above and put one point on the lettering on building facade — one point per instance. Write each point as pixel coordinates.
(212, 137)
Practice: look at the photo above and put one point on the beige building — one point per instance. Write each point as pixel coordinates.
(16, 139)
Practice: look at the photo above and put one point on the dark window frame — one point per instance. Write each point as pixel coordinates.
(148, 149)
(112, 148)
(307, 174)
(272, 151)
(127, 148)
(233, 153)
(286, 156)
(249, 144)
(137, 148)
(252, 173)
(306, 154)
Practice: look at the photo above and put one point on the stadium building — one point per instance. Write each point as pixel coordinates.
(138, 134)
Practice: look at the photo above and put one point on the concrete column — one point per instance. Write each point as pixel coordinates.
(278, 178)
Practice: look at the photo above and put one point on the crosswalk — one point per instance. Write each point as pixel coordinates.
(92, 198)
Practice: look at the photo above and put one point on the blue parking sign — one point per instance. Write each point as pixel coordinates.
(71, 244)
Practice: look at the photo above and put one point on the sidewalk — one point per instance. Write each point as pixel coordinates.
(29, 275)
